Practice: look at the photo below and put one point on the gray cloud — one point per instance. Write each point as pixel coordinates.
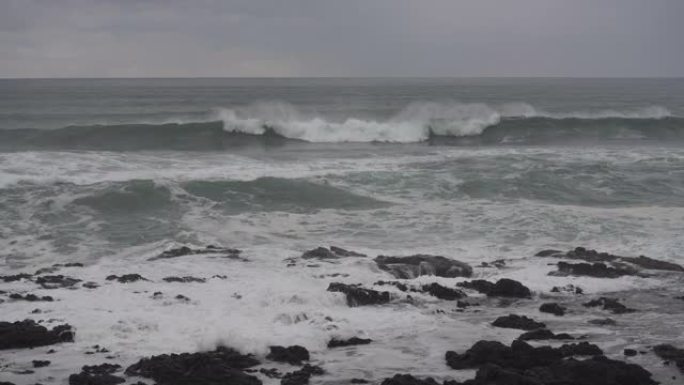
(71, 38)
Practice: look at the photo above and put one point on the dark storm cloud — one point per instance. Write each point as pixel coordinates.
(338, 38)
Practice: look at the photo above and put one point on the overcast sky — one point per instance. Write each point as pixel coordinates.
(145, 38)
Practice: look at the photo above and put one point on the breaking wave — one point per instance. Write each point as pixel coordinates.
(279, 123)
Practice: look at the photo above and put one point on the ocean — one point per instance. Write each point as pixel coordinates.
(111, 172)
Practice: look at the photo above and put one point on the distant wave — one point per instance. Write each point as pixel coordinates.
(271, 124)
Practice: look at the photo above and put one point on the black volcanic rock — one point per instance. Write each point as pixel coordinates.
(330, 253)
(184, 250)
(95, 379)
(31, 298)
(552, 308)
(301, 376)
(596, 270)
(335, 343)
(293, 355)
(416, 265)
(442, 292)
(502, 288)
(186, 279)
(40, 363)
(514, 321)
(544, 334)
(15, 277)
(670, 353)
(357, 296)
(407, 379)
(610, 304)
(217, 367)
(126, 278)
(589, 255)
(56, 281)
(29, 334)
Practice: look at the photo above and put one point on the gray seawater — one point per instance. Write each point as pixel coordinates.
(111, 171)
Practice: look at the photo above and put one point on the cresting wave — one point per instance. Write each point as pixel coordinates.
(438, 123)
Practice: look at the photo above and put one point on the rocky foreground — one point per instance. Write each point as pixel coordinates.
(539, 356)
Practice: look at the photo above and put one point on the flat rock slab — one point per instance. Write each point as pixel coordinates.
(29, 334)
(589, 255)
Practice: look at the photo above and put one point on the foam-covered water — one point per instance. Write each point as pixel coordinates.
(110, 173)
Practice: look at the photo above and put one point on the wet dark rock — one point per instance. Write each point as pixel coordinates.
(552, 308)
(520, 355)
(293, 355)
(15, 277)
(407, 379)
(181, 297)
(596, 270)
(610, 304)
(29, 334)
(603, 322)
(217, 367)
(40, 363)
(6, 383)
(335, 343)
(301, 376)
(670, 353)
(502, 288)
(31, 298)
(567, 289)
(332, 253)
(185, 279)
(270, 373)
(73, 264)
(630, 352)
(126, 278)
(357, 296)
(184, 250)
(416, 265)
(56, 281)
(398, 285)
(514, 321)
(91, 285)
(359, 381)
(105, 368)
(544, 334)
(442, 292)
(589, 255)
(95, 379)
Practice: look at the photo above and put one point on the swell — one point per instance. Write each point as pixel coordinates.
(235, 133)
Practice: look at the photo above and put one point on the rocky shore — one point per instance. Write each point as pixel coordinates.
(539, 355)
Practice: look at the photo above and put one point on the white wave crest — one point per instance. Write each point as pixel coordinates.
(414, 123)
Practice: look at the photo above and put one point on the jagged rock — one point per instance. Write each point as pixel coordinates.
(185, 279)
(15, 277)
(301, 376)
(670, 353)
(441, 292)
(514, 321)
(105, 368)
(217, 367)
(520, 355)
(332, 253)
(596, 270)
(544, 334)
(334, 343)
(416, 265)
(126, 278)
(357, 296)
(595, 256)
(610, 304)
(85, 378)
(629, 352)
(28, 334)
(40, 363)
(502, 288)
(56, 281)
(31, 298)
(293, 355)
(552, 308)
(184, 250)
(407, 379)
